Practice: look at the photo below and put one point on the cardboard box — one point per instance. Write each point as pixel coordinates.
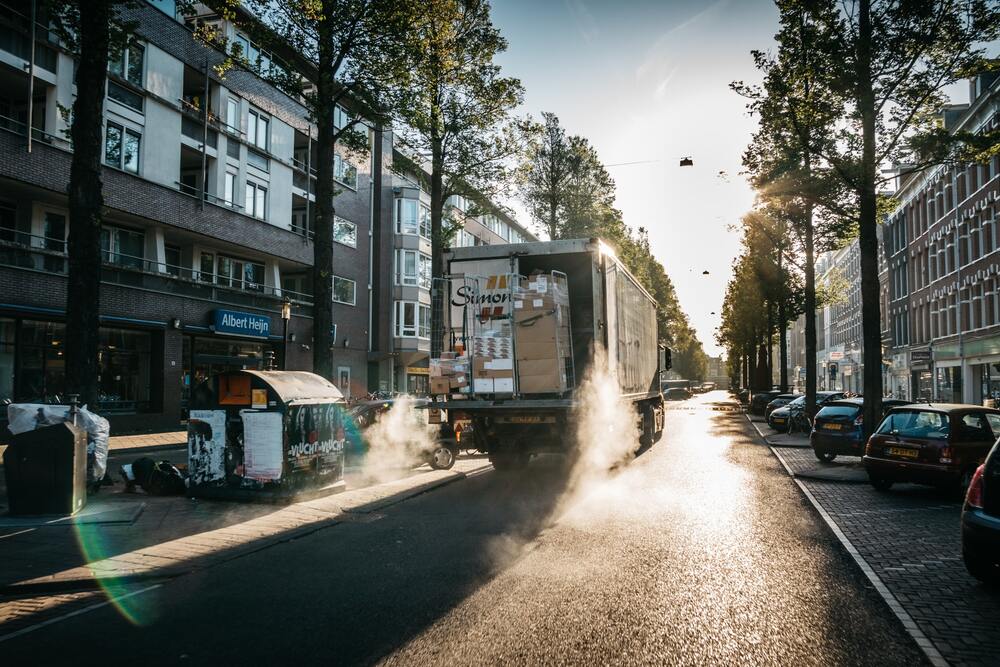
(458, 381)
(503, 385)
(542, 384)
(541, 366)
(440, 385)
(483, 385)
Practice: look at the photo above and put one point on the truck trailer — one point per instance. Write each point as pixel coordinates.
(524, 325)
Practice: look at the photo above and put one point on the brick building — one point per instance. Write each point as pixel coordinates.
(208, 191)
(942, 246)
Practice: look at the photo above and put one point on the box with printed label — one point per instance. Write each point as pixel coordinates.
(440, 385)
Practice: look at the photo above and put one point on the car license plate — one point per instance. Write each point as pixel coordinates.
(903, 451)
(779, 420)
(832, 427)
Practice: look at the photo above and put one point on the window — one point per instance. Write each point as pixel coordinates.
(41, 364)
(230, 189)
(240, 274)
(124, 370)
(344, 380)
(345, 232)
(121, 148)
(256, 200)
(7, 328)
(406, 267)
(233, 114)
(54, 239)
(124, 96)
(127, 63)
(172, 257)
(257, 126)
(340, 117)
(412, 320)
(406, 216)
(425, 221)
(123, 247)
(206, 270)
(916, 424)
(255, 159)
(424, 266)
(344, 172)
(344, 290)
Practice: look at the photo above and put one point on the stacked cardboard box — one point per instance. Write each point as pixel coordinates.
(450, 374)
(493, 362)
(542, 334)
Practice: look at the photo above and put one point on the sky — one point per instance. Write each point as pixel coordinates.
(649, 80)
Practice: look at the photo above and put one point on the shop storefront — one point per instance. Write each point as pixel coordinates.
(948, 382)
(418, 380)
(921, 378)
(986, 377)
(899, 376)
(33, 365)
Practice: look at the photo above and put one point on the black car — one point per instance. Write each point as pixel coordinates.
(760, 399)
(837, 428)
(440, 453)
(676, 394)
(981, 521)
(779, 401)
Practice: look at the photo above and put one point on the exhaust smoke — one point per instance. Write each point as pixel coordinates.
(396, 441)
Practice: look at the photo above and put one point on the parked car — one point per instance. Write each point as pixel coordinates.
(676, 394)
(939, 444)
(707, 386)
(779, 401)
(981, 521)
(780, 421)
(760, 399)
(440, 454)
(837, 428)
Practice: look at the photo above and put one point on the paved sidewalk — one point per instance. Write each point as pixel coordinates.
(910, 540)
(138, 442)
(54, 570)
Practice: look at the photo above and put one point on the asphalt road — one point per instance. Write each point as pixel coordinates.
(701, 551)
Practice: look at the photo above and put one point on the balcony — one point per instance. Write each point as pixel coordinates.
(24, 251)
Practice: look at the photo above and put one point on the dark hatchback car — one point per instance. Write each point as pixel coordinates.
(779, 401)
(760, 399)
(981, 522)
(837, 429)
(780, 418)
(676, 394)
(939, 444)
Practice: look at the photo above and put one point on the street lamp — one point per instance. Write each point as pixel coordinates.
(286, 314)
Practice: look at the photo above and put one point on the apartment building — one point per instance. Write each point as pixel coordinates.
(411, 251)
(942, 248)
(208, 186)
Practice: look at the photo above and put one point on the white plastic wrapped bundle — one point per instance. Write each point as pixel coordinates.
(23, 417)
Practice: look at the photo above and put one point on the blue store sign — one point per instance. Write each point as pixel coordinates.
(235, 323)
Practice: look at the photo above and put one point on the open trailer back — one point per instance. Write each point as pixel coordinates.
(524, 326)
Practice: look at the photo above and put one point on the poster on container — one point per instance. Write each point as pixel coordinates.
(262, 445)
(206, 446)
(481, 297)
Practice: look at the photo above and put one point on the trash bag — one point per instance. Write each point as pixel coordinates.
(24, 417)
(158, 478)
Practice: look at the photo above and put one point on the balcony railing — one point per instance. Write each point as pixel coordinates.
(26, 251)
(17, 127)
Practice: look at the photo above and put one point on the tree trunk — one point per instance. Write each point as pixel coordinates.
(810, 312)
(782, 347)
(438, 287)
(322, 269)
(770, 344)
(871, 328)
(86, 201)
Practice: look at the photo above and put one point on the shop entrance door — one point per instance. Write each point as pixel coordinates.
(205, 357)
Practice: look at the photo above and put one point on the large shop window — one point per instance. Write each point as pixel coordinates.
(949, 384)
(124, 371)
(41, 375)
(344, 290)
(7, 338)
(123, 247)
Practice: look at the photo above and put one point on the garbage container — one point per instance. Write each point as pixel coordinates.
(265, 435)
(46, 470)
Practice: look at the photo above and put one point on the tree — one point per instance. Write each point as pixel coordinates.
(564, 185)
(797, 107)
(457, 116)
(892, 60)
(340, 53)
(93, 30)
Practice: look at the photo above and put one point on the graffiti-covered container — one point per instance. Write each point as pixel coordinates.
(265, 435)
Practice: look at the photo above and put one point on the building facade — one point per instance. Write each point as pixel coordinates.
(942, 244)
(411, 275)
(208, 186)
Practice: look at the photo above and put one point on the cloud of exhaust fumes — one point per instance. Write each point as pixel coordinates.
(606, 434)
(396, 441)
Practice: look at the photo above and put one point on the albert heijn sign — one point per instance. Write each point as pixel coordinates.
(235, 323)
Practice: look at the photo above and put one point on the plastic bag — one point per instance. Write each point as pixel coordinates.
(23, 417)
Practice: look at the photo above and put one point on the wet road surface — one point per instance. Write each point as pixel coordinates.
(701, 551)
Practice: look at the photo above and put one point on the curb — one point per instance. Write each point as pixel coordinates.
(771, 444)
(909, 625)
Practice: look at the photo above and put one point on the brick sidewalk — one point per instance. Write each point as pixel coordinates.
(910, 537)
(54, 570)
(145, 440)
